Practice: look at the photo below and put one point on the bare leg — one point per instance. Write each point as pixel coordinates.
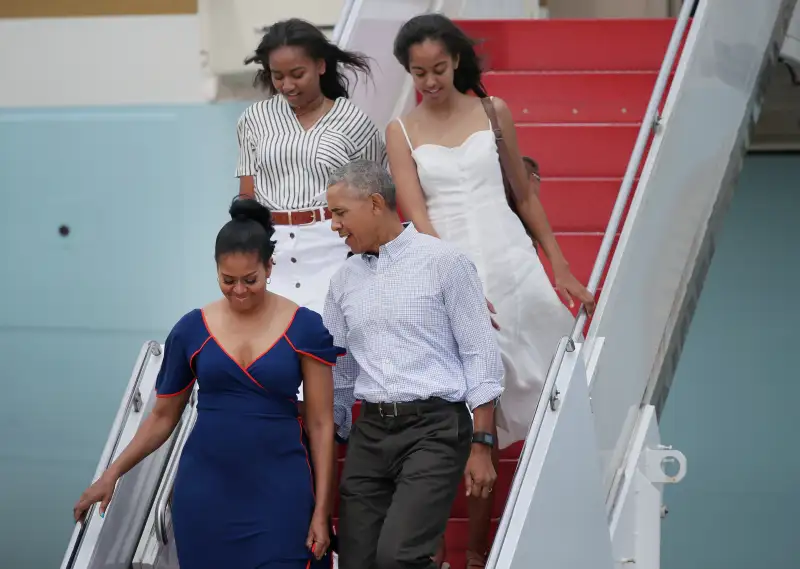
(441, 553)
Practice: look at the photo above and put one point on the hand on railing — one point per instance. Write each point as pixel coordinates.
(101, 491)
(568, 287)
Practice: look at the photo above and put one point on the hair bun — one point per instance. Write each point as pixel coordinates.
(248, 209)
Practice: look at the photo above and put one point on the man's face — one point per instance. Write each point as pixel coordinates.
(354, 218)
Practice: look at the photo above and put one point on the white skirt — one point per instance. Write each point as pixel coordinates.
(305, 259)
(532, 321)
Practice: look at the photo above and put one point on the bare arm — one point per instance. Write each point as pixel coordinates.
(483, 418)
(318, 397)
(410, 198)
(532, 212)
(246, 162)
(152, 433)
(528, 204)
(247, 186)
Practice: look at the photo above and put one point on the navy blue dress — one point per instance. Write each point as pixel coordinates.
(244, 490)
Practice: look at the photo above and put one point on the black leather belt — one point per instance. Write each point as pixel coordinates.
(406, 408)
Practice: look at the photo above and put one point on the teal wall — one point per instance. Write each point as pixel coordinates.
(143, 191)
(733, 409)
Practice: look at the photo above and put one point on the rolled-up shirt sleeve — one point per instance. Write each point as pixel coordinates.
(346, 369)
(472, 328)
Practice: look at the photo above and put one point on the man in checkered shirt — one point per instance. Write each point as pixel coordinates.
(421, 353)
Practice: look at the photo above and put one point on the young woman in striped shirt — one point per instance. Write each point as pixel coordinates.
(289, 143)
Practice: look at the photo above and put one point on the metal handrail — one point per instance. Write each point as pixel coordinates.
(135, 397)
(134, 402)
(567, 344)
(650, 122)
(344, 16)
(168, 479)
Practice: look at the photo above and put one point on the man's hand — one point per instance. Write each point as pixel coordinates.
(480, 475)
(492, 311)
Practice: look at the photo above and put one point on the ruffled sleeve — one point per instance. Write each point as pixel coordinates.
(309, 337)
(176, 375)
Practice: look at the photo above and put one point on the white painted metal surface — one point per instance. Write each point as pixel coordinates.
(665, 246)
(791, 45)
(109, 541)
(557, 518)
(156, 548)
(499, 9)
(635, 521)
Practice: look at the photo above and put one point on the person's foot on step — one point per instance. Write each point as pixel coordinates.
(475, 560)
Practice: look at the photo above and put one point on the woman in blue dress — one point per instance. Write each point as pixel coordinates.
(246, 495)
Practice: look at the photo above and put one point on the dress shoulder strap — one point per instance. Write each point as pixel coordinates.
(405, 132)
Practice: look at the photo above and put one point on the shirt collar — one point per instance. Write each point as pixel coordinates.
(393, 248)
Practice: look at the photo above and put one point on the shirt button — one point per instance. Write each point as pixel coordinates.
(291, 235)
(294, 260)
(297, 285)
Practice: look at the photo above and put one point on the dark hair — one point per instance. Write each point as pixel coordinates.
(534, 165)
(250, 230)
(296, 32)
(467, 77)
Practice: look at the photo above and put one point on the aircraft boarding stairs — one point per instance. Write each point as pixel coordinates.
(587, 491)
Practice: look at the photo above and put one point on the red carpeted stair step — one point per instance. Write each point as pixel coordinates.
(579, 205)
(571, 45)
(571, 97)
(578, 150)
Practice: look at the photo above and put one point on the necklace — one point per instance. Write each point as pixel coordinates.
(309, 109)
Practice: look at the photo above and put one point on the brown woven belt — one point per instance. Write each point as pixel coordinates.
(300, 216)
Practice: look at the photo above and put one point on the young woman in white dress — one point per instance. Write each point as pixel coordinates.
(445, 164)
(289, 143)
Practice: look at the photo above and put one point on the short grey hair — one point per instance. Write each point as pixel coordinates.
(366, 178)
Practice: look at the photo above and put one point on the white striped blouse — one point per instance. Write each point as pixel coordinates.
(290, 165)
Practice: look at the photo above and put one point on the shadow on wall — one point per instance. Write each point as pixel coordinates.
(733, 406)
(107, 227)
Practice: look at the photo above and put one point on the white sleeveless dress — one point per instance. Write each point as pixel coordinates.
(467, 206)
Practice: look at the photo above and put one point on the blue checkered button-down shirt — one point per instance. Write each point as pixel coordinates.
(415, 325)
